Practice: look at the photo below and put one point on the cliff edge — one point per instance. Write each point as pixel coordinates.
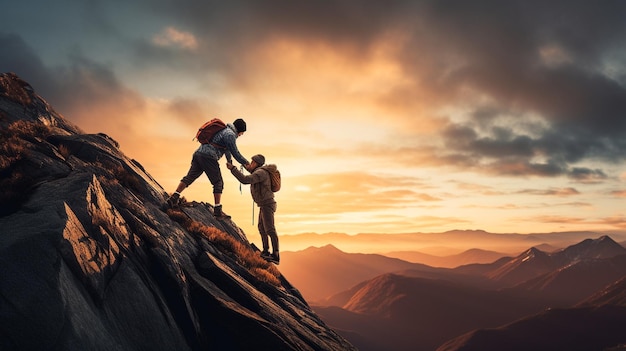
(91, 261)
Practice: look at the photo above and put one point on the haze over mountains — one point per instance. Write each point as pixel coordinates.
(441, 244)
(422, 307)
(449, 261)
(596, 323)
(321, 272)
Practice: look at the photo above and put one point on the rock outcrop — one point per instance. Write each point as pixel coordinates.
(90, 261)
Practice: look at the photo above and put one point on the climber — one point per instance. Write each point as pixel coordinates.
(205, 159)
(262, 194)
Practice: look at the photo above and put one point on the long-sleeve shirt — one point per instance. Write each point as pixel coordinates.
(260, 184)
(227, 138)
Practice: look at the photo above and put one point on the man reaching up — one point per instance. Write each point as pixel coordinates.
(261, 190)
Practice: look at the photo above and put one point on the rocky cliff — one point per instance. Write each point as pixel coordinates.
(89, 260)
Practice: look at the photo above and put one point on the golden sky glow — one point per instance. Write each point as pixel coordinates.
(400, 118)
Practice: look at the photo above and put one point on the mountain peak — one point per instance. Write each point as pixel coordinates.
(532, 253)
(324, 250)
(330, 248)
(602, 247)
(606, 238)
(377, 294)
(14, 88)
(16, 96)
(93, 256)
(528, 264)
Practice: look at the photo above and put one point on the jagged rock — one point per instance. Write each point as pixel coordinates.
(90, 261)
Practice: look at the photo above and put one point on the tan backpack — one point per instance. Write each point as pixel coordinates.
(274, 177)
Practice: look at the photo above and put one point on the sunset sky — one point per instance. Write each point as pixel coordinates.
(383, 116)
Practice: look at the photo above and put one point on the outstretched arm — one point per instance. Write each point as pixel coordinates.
(255, 177)
(244, 179)
(231, 148)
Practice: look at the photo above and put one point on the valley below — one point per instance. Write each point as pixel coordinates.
(536, 297)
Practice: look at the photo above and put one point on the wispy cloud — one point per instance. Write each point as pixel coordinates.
(551, 192)
(172, 37)
(351, 192)
(532, 206)
(618, 221)
(350, 97)
(477, 188)
(619, 193)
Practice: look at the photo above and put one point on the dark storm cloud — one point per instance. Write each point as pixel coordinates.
(229, 31)
(245, 21)
(503, 151)
(16, 56)
(85, 85)
(497, 48)
(587, 176)
(503, 144)
(72, 89)
(560, 61)
(550, 59)
(185, 110)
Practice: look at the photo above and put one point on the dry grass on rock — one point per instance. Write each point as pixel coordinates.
(18, 138)
(245, 256)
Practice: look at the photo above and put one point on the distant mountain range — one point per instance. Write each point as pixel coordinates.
(419, 313)
(321, 272)
(534, 263)
(422, 307)
(573, 282)
(441, 244)
(588, 328)
(614, 294)
(450, 261)
(596, 323)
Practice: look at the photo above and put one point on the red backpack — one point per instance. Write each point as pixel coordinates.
(209, 129)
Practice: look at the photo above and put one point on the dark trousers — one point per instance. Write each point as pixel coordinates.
(267, 227)
(204, 163)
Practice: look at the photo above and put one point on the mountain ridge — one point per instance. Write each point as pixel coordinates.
(91, 261)
(382, 308)
(533, 262)
(415, 313)
(441, 244)
(581, 328)
(470, 256)
(325, 269)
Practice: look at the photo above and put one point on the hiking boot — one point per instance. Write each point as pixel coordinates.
(218, 213)
(274, 258)
(174, 200)
(266, 255)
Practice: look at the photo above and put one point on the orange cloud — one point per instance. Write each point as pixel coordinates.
(619, 193)
(477, 188)
(560, 219)
(551, 192)
(351, 192)
(617, 221)
(510, 206)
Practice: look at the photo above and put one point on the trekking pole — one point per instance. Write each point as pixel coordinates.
(252, 212)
